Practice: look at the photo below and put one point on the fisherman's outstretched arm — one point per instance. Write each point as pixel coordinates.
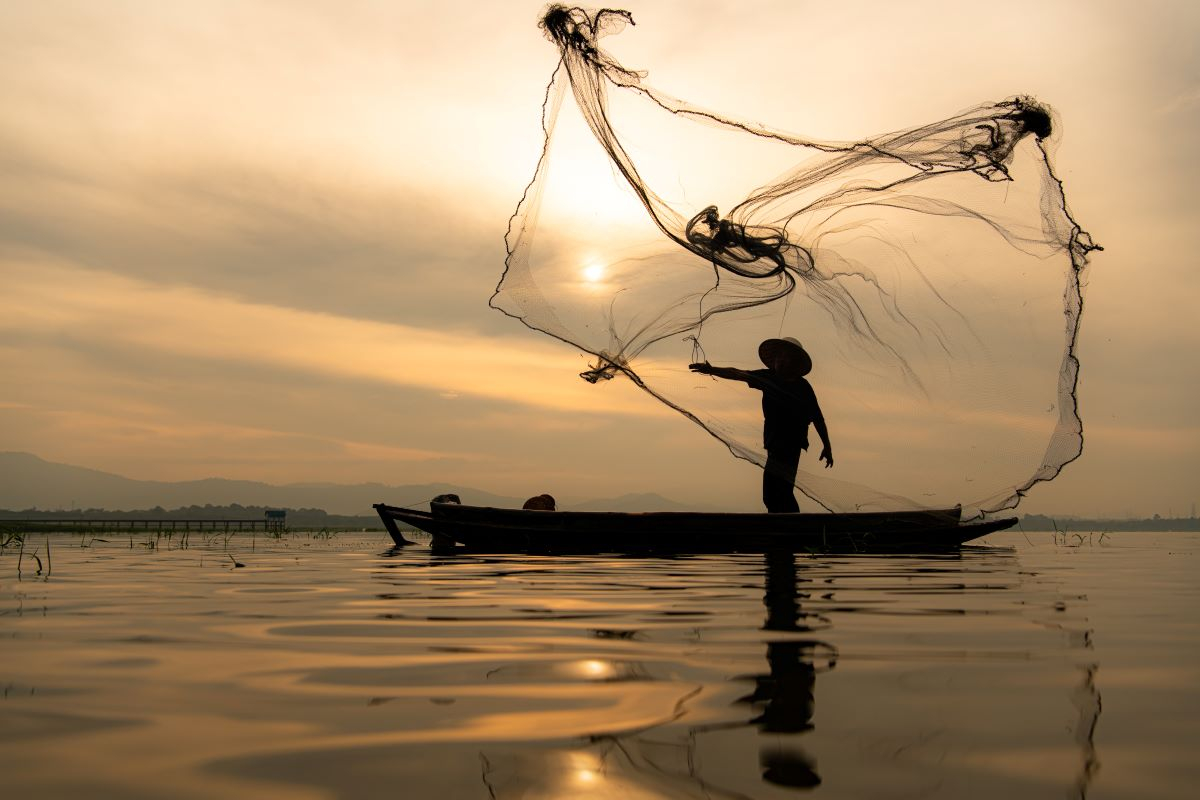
(728, 373)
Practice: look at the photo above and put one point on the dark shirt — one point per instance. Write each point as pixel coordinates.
(789, 407)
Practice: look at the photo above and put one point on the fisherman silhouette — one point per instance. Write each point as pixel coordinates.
(786, 696)
(789, 405)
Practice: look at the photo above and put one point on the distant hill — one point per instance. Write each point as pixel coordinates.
(633, 502)
(27, 482)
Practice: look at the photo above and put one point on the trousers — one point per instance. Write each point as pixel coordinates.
(779, 480)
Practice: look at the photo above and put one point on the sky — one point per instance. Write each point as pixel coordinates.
(256, 239)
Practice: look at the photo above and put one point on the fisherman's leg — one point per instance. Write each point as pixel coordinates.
(779, 481)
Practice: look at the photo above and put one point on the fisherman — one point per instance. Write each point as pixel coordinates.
(789, 405)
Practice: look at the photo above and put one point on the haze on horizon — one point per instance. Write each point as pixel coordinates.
(256, 240)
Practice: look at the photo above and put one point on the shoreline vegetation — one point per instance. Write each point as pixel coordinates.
(318, 519)
(296, 519)
(1043, 522)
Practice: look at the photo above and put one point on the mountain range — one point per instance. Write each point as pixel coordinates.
(29, 482)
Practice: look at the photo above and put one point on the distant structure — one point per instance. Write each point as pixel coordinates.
(276, 519)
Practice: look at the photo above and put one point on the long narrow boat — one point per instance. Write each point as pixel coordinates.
(506, 530)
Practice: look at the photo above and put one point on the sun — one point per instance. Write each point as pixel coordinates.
(593, 272)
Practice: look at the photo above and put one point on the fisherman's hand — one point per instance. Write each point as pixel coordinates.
(703, 368)
(827, 456)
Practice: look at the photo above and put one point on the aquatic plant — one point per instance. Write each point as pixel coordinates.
(11, 536)
(41, 568)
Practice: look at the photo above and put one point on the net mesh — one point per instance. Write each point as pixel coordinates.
(933, 274)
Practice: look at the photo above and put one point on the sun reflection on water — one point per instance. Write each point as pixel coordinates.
(597, 670)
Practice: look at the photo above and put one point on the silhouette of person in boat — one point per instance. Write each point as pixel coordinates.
(786, 696)
(789, 406)
(784, 699)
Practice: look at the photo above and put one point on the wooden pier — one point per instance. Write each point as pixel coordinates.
(76, 525)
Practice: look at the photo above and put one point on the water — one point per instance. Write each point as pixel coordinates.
(1029, 667)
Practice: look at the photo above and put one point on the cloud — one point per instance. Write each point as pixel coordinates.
(63, 303)
(1182, 103)
(304, 241)
(281, 154)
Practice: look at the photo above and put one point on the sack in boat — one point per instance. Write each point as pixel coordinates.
(543, 502)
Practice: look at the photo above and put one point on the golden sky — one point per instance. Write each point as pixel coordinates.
(256, 239)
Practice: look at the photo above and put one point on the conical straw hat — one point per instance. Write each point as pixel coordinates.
(771, 348)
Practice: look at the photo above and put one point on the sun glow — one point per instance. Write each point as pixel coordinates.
(597, 670)
(593, 272)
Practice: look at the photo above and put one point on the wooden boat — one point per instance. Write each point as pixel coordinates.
(506, 530)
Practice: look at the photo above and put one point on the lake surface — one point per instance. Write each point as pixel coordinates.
(1030, 667)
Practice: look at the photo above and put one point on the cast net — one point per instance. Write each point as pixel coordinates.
(934, 274)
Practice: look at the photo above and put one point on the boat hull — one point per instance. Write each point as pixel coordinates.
(498, 530)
